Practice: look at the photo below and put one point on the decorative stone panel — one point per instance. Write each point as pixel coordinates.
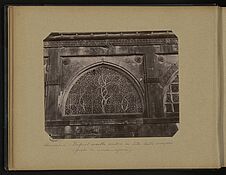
(111, 84)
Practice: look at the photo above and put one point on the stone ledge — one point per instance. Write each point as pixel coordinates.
(133, 121)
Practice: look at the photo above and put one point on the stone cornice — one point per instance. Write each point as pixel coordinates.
(109, 39)
(111, 35)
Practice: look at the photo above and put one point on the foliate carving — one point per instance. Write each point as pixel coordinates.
(103, 90)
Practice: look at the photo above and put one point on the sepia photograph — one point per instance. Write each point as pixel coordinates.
(111, 84)
(114, 88)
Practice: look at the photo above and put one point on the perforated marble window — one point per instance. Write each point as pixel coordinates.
(103, 90)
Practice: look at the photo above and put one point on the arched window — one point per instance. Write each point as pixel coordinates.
(104, 90)
(171, 97)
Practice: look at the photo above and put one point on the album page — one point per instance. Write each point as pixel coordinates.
(113, 87)
(223, 80)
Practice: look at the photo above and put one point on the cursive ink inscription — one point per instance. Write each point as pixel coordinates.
(107, 146)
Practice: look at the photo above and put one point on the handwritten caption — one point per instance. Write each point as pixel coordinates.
(104, 146)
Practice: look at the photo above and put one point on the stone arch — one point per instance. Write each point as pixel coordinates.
(108, 95)
(167, 77)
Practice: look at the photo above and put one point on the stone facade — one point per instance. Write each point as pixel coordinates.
(115, 84)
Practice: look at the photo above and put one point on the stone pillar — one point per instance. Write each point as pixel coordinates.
(67, 132)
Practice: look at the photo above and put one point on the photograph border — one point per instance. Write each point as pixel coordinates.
(4, 87)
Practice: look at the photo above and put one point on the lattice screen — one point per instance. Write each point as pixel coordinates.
(171, 100)
(103, 90)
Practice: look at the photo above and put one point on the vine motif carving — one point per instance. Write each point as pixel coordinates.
(103, 90)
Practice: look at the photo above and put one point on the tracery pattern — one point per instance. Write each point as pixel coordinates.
(103, 90)
(171, 100)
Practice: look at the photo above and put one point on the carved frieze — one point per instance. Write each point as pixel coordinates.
(110, 42)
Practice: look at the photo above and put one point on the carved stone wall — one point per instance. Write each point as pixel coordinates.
(119, 84)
